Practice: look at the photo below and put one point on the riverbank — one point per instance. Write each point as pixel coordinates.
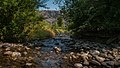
(60, 52)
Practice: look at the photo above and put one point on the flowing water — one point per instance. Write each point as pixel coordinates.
(50, 58)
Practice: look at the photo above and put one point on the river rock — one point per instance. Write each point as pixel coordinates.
(57, 50)
(8, 53)
(85, 67)
(56, 43)
(72, 43)
(104, 64)
(111, 63)
(103, 50)
(96, 52)
(100, 59)
(29, 64)
(7, 49)
(38, 48)
(78, 65)
(117, 63)
(25, 53)
(84, 56)
(16, 54)
(110, 57)
(103, 55)
(65, 57)
(4, 46)
(86, 62)
(117, 57)
(94, 62)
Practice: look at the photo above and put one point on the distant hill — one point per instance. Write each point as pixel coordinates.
(50, 15)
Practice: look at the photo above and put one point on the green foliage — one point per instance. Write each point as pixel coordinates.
(38, 30)
(59, 28)
(60, 21)
(92, 15)
(14, 14)
(55, 25)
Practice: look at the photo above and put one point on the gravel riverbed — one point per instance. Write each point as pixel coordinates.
(59, 52)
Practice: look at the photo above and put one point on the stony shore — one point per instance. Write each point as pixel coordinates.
(60, 53)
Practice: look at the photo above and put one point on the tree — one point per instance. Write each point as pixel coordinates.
(92, 15)
(60, 21)
(14, 14)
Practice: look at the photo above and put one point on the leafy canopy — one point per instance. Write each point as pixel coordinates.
(92, 15)
(14, 14)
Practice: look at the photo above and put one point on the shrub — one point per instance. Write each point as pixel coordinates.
(93, 15)
(14, 14)
(59, 26)
(39, 30)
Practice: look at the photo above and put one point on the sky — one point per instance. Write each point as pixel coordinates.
(51, 6)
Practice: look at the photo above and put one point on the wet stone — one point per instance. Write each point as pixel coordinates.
(117, 63)
(100, 59)
(96, 52)
(78, 65)
(94, 62)
(56, 43)
(86, 62)
(111, 63)
(85, 67)
(28, 64)
(51, 55)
